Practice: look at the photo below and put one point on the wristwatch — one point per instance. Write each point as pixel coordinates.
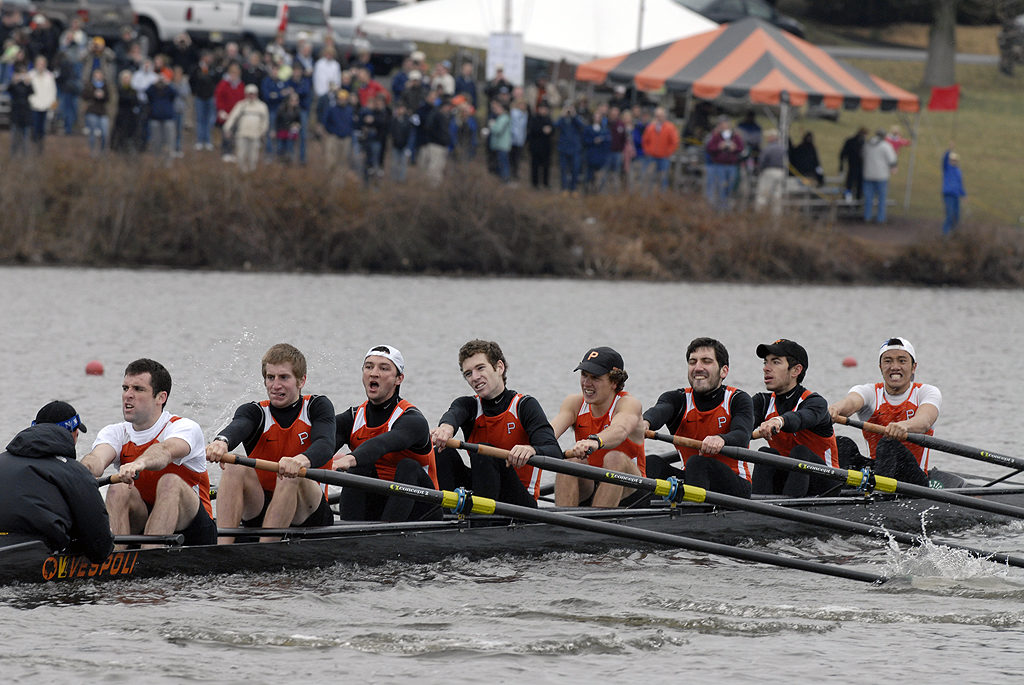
(596, 438)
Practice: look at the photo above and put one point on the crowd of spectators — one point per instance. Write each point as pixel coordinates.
(268, 105)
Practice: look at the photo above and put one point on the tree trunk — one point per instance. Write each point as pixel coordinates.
(940, 68)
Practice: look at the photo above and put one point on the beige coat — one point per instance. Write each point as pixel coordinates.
(249, 119)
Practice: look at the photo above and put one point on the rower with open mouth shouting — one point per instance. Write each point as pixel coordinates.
(387, 438)
(901, 405)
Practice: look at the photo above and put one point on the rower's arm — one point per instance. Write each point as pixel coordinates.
(535, 422)
(624, 424)
(102, 456)
(741, 409)
(921, 422)
(155, 458)
(566, 415)
(321, 433)
(847, 406)
(668, 406)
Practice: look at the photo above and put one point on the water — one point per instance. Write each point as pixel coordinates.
(564, 617)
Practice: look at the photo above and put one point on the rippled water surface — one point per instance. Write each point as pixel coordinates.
(662, 616)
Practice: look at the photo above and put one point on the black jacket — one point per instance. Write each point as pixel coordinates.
(50, 496)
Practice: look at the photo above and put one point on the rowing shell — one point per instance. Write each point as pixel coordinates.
(476, 537)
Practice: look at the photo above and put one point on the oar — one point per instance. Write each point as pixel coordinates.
(116, 478)
(480, 505)
(941, 445)
(172, 540)
(850, 477)
(690, 493)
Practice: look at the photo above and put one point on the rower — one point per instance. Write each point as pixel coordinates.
(48, 495)
(498, 417)
(794, 421)
(606, 422)
(716, 414)
(164, 485)
(292, 429)
(902, 406)
(387, 438)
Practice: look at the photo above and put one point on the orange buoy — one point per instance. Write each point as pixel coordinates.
(849, 361)
(94, 368)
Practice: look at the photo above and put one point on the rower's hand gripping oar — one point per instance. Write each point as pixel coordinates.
(865, 480)
(939, 444)
(462, 501)
(678, 492)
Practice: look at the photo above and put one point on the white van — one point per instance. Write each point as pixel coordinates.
(251, 22)
(345, 17)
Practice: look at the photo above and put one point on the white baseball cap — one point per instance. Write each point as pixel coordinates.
(897, 344)
(388, 352)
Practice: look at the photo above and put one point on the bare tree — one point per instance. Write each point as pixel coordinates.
(940, 68)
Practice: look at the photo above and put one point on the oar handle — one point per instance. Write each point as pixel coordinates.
(261, 464)
(677, 440)
(108, 480)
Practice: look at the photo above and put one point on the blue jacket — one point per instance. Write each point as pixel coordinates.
(598, 144)
(570, 134)
(272, 92)
(339, 120)
(161, 101)
(952, 178)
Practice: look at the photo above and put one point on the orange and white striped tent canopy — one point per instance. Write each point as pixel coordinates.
(754, 61)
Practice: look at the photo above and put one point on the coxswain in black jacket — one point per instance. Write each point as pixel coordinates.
(49, 496)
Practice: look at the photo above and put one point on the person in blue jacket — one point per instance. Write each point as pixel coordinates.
(570, 127)
(952, 189)
(597, 148)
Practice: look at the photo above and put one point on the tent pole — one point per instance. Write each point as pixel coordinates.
(640, 28)
(913, 155)
(784, 113)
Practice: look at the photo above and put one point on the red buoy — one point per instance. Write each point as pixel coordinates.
(849, 361)
(94, 368)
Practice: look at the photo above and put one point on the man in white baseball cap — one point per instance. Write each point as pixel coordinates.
(387, 438)
(902, 406)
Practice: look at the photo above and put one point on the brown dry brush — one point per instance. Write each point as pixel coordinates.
(201, 213)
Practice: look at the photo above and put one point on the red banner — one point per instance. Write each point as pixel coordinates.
(945, 99)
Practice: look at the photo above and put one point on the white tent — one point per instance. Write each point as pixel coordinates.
(572, 30)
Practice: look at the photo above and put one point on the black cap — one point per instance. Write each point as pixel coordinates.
(600, 360)
(784, 348)
(62, 414)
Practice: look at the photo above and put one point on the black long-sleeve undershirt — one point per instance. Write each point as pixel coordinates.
(246, 427)
(671, 406)
(409, 432)
(462, 414)
(812, 415)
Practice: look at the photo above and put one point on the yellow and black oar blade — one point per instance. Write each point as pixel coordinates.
(689, 493)
(480, 505)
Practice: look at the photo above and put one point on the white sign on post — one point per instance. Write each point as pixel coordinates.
(506, 50)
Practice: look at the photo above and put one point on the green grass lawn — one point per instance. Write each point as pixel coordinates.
(987, 130)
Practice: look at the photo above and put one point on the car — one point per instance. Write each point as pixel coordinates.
(251, 22)
(104, 18)
(345, 16)
(727, 11)
(256, 22)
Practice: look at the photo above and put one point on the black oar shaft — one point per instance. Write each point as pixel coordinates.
(481, 505)
(700, 495)
(931, 442)
(172, 539)
(853, 478)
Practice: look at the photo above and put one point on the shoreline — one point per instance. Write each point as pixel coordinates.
(203, 214)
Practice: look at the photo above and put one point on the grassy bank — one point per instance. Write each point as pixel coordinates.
(67, 209)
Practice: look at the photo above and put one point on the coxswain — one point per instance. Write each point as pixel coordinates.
(496, 416)
(902, 406)
(716, 414)
(48, 495)
(794, 421)
(606, 422)
(387, 438)
(160, 461)
(292, 429)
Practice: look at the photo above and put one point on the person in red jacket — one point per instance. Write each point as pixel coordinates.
(229, 92)
(660, 141)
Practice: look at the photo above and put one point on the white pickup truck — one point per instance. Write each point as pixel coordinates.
(253, 22)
